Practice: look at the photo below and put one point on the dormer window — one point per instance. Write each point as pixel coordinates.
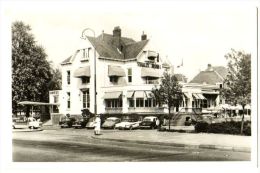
(85, 54)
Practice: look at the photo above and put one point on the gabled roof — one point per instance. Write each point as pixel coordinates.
(215, 75)
(66, 61)
(208, 77)
(107, 46)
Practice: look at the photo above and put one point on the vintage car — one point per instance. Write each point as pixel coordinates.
(128, 124)
(79, 121)
(65, 121)
(24, 122)
(149, 122)
(91, 123)
(111, 122)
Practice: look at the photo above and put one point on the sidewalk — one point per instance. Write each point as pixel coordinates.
(187, 140)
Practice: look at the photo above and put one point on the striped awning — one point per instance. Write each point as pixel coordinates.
(116, 71)
(139, 94)
(82, 72)
(149, 94)
(196, 96)
(130, 94)
(201, 96)
(150, 72)
(186, 95)
(112, 95)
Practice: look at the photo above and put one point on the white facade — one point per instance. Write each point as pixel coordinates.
(122, 85)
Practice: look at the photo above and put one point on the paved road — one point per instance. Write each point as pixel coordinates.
(78, 146)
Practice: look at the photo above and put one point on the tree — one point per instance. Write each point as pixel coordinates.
(237, 85)
(55, 82)
(169, 93)
(31, 72)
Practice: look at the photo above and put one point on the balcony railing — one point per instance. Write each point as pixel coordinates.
(114, 110)
(146, 109)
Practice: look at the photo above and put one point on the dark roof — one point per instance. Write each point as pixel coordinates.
(211, 75)
(120, 48)
(222, 71)
(181, 77)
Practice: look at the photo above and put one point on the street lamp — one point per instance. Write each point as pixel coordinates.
(84, 36)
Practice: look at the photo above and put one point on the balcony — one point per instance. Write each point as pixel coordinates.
(146, 110)
(114, 110)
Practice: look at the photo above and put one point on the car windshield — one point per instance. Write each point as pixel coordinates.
(147, 119)
(111, 120)
(129, 120)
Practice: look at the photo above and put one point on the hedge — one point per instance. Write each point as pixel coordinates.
(224, 128)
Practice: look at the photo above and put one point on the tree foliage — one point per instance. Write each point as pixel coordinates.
(237, 85)
(31, 72)
(168, 92)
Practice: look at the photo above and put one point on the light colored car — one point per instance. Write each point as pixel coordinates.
(26, 123)
(128, 124)
(111, 122)
(91, 123)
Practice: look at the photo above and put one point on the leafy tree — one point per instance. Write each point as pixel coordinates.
(169, 92)
(31, 72)
(237, 85)
(55, 82)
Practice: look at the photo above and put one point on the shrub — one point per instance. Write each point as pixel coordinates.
(201, 127)
(224, 128)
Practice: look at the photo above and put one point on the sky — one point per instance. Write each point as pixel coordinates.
(195, 33)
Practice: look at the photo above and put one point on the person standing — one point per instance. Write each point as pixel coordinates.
(97, 125)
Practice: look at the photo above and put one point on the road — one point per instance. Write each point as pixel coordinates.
(72, 146)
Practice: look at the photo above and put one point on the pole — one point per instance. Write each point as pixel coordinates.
(83, 36)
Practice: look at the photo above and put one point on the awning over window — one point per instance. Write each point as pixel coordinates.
(139, 94)
(149, 94)
(152, 53)
(186, 95)
(201, 96)
(112, 95)
(196, 96)
(82, 72)
(130, 94)
(151, 72)
(115, 71)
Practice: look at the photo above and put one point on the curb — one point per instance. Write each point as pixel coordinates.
(199, 146)
(27, 130)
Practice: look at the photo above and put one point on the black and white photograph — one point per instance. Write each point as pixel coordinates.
(129, 86)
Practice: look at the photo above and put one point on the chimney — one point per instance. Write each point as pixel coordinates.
(117, 32)
(209, 68)
(143, 36)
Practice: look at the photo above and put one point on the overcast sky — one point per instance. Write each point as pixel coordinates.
(197, 33)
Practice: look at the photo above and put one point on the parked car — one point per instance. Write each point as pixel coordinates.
(91, 123)
(65, 121)
(149, 122)
(79, 121)
(111, 122)
(24, 122)
(128, 124)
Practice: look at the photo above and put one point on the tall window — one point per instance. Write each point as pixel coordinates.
(114, 103)
(139, 102)
(113, 79)
(131, 103)
(56, 98)
(85, 99)
(68, 77)
(129, 75)
(68, 100)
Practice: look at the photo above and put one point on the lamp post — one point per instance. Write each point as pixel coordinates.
(84, 36)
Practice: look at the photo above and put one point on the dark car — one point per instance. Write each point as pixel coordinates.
(110, 123)
(65, 121)
(149, 122)
(79, 121)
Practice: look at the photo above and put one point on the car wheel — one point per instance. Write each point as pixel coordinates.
(130, 128)
(13, 127)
